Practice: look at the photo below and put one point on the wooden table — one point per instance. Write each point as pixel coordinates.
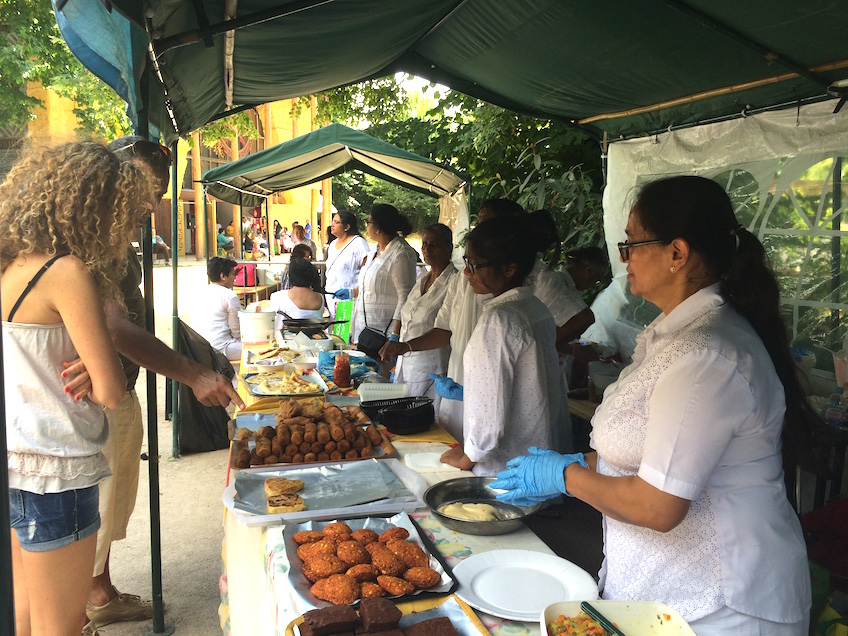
(254, 293)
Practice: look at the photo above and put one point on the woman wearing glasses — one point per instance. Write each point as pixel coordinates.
(687, 468)
(66, 211)
(510, 394)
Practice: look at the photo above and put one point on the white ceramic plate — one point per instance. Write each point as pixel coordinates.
(520, 584)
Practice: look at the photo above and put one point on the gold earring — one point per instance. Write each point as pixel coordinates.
(673, 269)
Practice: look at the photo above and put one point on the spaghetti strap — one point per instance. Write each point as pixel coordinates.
(32, 283)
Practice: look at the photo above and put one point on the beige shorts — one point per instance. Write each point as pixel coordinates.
(118, 492)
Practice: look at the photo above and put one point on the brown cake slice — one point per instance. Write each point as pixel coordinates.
(330, 620)
(440, 626)
(279, 504)
(378, 615)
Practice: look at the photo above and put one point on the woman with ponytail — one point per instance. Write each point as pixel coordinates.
(687, 468)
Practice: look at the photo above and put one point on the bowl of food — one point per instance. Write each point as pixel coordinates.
(470, 505)
(305, 363)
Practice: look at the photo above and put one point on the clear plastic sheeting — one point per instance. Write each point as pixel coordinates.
(784, 171)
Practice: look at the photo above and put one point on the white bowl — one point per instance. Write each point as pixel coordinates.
(323, 344)
(273, 364)
(305, 363)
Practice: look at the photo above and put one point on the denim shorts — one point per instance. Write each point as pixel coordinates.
(54, 520)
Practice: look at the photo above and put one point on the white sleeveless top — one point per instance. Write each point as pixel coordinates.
(280, 301)
(53, 441)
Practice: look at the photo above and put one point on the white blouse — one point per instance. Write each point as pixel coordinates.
(549, 286)
(384, 284)
(699, 415)
(511, 397)
(418, 315)
(343, 264)
(280, 301)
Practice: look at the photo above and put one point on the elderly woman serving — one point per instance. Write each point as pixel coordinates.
(688, 470)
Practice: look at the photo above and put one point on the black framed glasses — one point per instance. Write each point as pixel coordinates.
(149, 150)
(624, 248)
(473, 267)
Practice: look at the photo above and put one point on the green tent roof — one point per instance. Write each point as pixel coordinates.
(617, 66)
(323, 153)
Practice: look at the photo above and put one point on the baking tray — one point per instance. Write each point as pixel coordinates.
(385, 450)
(462, 617)
(310, 376)
(301, 585)
(332, 478)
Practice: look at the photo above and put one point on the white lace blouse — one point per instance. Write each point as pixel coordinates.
(699, 415)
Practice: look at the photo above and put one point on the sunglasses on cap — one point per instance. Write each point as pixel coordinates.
(149, 151)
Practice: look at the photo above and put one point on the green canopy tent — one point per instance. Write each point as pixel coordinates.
(332, 150)
(618, 67)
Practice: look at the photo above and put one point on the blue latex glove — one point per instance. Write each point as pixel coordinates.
(393, 337)
(535, 477)
(446, 388)
(343, 294)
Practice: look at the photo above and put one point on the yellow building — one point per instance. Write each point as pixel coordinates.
(55, 122)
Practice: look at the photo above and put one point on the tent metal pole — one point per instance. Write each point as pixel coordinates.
(152, 409)
(7, 588)
(175, 315)
(836, 252)
(206, 217)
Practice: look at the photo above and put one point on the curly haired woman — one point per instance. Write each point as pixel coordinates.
(66, 214)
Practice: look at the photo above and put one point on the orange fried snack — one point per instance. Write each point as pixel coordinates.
(387, 563)
(363, 572)
(307, 536)
(289, 409)
(394, 533)
(308, 550)
(352, 553)
(337, 527)
(364, 536)
(369, 589)
(422, 577)
(371, 547)
(395, 586)
(338, 589)
(323, 565)
(411, 554)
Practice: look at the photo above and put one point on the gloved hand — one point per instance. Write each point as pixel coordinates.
(446, 388)
(393, 337)
(343, 293)
(535, 477)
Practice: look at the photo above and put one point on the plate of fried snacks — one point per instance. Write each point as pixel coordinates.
(285, 383)
(340, 562)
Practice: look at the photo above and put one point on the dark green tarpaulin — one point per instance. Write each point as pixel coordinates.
(323, 153)
(617, 66)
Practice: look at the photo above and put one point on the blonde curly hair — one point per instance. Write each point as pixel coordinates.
(76, 198)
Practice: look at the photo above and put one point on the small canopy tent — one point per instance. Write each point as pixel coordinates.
(332, 150)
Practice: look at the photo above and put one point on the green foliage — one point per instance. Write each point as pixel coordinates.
(33, 50)
(356, 105)
(217, 135)
(359, 192)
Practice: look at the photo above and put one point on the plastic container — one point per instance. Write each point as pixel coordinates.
(256, 326)
(381, 391)
(834, 412)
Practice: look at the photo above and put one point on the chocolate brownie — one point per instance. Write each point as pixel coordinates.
(378, 614)
(440, 626)
(330, 620)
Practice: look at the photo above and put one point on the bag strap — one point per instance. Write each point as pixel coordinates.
(347, 245)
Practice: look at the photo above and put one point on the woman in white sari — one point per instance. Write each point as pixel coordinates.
(345, 256)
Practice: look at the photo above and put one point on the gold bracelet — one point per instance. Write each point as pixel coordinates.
(408, 345)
